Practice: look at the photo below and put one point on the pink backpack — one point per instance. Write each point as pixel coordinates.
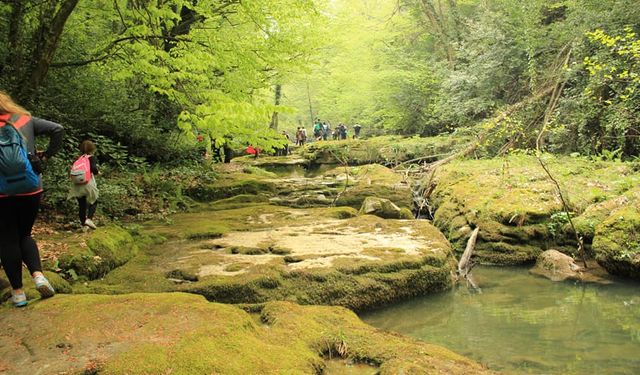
(81, 171)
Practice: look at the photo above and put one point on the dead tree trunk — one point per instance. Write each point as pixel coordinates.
(465, 265)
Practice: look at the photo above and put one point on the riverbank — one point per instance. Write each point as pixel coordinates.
(307, 233)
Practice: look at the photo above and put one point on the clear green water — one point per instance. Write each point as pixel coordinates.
(523, 324)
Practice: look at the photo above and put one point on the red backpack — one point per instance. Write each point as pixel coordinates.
(81, 171)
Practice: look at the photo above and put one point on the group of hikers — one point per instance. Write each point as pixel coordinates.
(21, 191)
(322, 132)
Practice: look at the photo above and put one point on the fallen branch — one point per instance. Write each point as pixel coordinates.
(464, 265)
(424, 192)
(421, 159)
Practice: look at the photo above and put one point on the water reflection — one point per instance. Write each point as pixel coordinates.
(526, 324)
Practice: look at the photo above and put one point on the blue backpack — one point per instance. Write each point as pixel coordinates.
(16, 173)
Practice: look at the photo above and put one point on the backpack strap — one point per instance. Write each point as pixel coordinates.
(18, 121)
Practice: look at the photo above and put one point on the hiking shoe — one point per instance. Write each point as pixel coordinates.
(90, 224)
(43, 287)
(18, 299)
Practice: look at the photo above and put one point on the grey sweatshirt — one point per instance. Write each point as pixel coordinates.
(37, 127)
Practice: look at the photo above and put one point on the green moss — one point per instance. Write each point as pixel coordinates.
(247, 250)
(405, 214)
(384, 208)
(238, 201)
(232, 186)
(374, 181)
(516, 206)
(209, 224)
(384, 150)
(113, 244)
(235, 267)
(250, 169)
(617, 242)
(183, 334)
(357, 287)
(341, 212)
(102, 250)
(182, 275)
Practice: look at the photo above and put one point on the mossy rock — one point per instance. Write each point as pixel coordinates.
(238, 201)
(102, 251)
(598, 212)
(384, 150)
(208, 224)
(516, 206)
(356, 287)
(257, 171)
(183, 334)
(617, 243)
(374, 181)
(357, 282)
(310, 256)
(384, 208)
(227, 188)
(271, 163)
(341, 212)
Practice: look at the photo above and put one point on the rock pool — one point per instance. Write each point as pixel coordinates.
(523, 324)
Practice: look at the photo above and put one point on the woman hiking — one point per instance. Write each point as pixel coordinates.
(86, 191)
(20, 193)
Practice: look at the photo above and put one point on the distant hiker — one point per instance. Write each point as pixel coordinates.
(83, 184)
(325, 130)
(342, 131)
(253, 151)
(304, 136)
(284, 149)
(201, 146)
(317, 130)
(356, 130)
(20, 192)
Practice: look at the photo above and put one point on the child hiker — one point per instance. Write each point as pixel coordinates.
(84, 187)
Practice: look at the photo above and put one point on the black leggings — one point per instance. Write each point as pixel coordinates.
(86, 211)
(17, 215)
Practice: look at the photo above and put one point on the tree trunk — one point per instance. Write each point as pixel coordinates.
(440, 27)
(48, 38)
(310, 107)
(15, 59)
(274, 118)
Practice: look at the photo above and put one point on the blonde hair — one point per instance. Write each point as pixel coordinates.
(7, 105)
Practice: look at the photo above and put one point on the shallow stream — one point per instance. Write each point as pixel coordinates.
(523, 324)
